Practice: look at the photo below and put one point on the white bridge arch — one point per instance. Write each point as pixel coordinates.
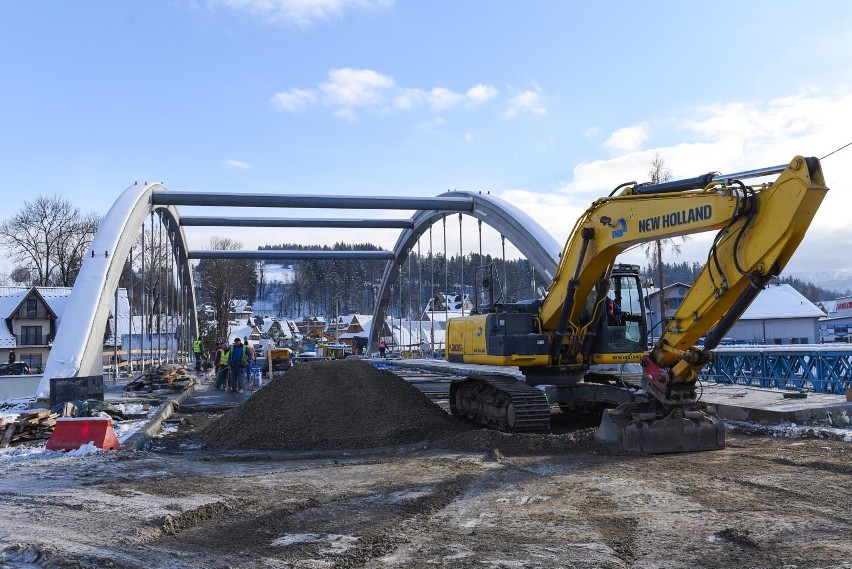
(77, 351)
(536, 244)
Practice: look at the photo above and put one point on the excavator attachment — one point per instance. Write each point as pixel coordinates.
(650, 428)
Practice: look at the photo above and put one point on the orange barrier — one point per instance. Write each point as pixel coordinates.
(72, 433)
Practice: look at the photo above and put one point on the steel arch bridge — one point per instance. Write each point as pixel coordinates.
(77, 351)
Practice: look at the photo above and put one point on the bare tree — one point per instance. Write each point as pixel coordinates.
(49, 237)
(72, 247)
(659, 173)
(225, 280)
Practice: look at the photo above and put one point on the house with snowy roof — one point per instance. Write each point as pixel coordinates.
(357, 331)
(239, 311)
(310, 324)
(32, 316)
(779, 315)
(661, 307)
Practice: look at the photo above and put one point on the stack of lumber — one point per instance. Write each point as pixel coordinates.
(30, 426)
(174, 377)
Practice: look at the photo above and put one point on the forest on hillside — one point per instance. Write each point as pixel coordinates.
(687, 272)
(323, 287)
(328, 288)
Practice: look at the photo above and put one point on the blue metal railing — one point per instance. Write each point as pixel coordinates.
(820, 368)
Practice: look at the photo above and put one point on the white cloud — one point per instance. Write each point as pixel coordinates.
(294, 99)
(468, 137)
(525, 102)
(441, 99)
(347, 114)
(301, 13)
(350, 88)
(481, 93)
(555, 212)
(629, 138)
(407, 99)
(238, 164)
(734, 137)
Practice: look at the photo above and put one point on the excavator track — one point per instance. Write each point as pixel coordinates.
(501, 402)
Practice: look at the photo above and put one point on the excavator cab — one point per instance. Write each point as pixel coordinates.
(625, 325)
(622, 324)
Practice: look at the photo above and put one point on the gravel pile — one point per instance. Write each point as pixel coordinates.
(332, 405)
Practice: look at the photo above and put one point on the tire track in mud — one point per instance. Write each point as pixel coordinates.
(345, 530)
(617, 530)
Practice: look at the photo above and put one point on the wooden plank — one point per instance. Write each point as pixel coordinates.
(7, 435)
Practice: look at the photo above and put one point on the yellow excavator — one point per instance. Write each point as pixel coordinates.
(593, 314)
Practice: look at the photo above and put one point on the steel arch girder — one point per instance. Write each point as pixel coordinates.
(530, 238)
(77, 350)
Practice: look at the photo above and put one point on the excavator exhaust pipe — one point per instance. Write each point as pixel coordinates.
(633, 428)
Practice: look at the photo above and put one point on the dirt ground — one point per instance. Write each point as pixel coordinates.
(344, 465)
(478, 499)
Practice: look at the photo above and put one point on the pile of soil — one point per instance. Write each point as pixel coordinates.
(333, 404)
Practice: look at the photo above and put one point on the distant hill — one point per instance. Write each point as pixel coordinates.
(814, 285)
(834, 280)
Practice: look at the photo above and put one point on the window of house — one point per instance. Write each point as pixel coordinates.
(32, 360)
(777, 341)
(803, 340)
(32, 308)
(31, 336)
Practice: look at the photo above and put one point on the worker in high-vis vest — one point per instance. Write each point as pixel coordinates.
(223, 368)
(198, 350)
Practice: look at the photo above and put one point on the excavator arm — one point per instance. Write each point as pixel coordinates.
(750, 251)
(759, 228)
(766, 225)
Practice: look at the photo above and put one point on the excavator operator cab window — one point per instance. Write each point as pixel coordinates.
(626, 330)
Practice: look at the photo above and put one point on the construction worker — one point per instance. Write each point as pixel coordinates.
(223, 370)
(239, 363)
(198, 350)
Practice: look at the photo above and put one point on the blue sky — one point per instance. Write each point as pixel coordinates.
(548, 104)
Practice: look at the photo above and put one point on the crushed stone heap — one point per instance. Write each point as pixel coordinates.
(333, 404)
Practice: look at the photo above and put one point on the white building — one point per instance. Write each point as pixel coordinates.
(836, 325)
(779, 315)
(672, 296)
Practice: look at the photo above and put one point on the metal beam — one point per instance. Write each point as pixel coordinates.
(274, 254)
(205, 221)
(165, 197)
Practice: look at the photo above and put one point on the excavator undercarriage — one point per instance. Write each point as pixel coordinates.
(501, 402)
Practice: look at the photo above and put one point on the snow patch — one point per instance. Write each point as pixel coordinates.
(336, 543)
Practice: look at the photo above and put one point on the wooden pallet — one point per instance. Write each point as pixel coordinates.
(32, 426)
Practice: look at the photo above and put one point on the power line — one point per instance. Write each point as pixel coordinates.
(838, 150)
